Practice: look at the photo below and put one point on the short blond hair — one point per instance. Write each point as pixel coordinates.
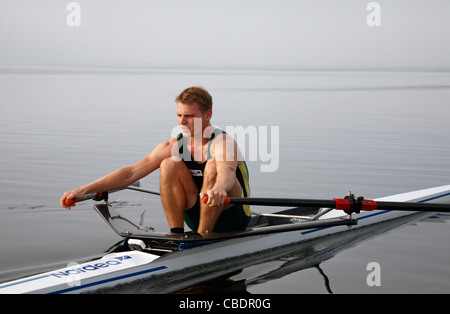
(197, 95)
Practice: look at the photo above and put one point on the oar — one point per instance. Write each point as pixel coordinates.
(142, 190)
(349, 205)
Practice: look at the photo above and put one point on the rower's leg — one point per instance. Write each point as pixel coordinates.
(178, 191)
(210, 214)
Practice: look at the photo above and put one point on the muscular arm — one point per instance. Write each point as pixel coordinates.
(226, 175)
(124, 176)
(225, 153)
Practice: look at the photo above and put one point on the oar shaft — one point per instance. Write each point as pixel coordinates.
(408, 206)
(283, 202)
(96, 195)
(142, 190)
(343, 204)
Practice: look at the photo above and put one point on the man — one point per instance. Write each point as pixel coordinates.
(200, 161)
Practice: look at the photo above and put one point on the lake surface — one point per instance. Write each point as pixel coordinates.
(374, 133)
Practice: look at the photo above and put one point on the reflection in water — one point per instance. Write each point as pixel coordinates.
(325, 277)
(280, 262)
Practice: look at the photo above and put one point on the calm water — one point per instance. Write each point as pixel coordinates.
(374, 133)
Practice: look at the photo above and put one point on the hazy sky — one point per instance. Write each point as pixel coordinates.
(238, 32)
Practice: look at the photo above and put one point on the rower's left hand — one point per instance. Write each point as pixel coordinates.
(216, 197)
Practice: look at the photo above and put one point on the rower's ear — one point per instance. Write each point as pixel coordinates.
(208, 114)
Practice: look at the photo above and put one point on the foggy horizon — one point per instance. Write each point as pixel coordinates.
(200, 33)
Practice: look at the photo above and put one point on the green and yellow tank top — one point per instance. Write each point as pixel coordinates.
(197, 168)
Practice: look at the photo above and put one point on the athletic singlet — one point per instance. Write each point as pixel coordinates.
(197, 169)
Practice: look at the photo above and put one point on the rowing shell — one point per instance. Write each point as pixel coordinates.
(149, 257)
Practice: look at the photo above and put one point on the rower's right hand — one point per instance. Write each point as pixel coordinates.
(69, 198)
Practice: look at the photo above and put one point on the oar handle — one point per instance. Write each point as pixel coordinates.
(205, 200)
(70, 202)
(95, 196)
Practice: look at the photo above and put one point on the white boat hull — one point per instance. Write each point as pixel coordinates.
(133, 268)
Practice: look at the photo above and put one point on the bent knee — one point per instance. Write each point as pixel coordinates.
(167, 163)
(168, 166)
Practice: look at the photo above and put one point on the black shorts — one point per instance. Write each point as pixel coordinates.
(231, 219)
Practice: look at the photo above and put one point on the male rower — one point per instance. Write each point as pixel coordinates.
(200, 161)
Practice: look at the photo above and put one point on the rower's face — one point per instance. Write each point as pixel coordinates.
(186, 115)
